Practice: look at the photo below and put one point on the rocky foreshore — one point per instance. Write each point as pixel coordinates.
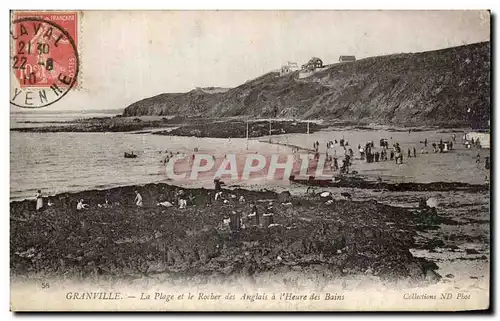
(355, 181)
(311, 233)
(182, 126)
(238, 128)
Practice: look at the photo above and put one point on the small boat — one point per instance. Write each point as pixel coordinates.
(130, 155)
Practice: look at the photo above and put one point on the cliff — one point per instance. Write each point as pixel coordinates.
(196, 102)
(443, 87)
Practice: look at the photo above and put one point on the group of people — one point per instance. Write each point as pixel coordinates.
(369, 154)
(395, 154)
(236, 222)
(39, 201)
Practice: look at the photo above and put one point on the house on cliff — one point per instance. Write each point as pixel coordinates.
(313, 64)
(289, 68)
(347, 59)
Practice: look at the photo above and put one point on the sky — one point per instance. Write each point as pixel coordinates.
(130, 55)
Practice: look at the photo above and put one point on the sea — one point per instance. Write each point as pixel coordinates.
(72, 162)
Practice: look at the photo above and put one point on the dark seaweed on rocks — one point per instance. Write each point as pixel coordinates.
(128, 242)
(354, 181)
(238, 129)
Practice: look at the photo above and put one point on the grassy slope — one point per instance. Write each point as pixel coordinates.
(429, 88)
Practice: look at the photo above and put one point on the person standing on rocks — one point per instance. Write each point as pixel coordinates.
(268, 217)
(39, 200)
(218, 188)
(138, 199)
(254, 216)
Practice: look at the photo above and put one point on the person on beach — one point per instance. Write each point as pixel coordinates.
(39, 200)
(409, 153)
(254, 215)
(345, 166)
(138, 199)
(81, 206)
(335, 164)
(425, 142)
(392, 155)
(478, 158)
(182, 202)
(218, 188)
(414, 152)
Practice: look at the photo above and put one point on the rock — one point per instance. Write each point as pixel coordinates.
(432, 276)
(325, 194)
(450, 276)
(471, 251)
(432, 202)
(415, 271)
(297, 247)
(346, 195)
(284, 197)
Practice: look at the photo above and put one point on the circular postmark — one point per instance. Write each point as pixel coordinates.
(44, 62)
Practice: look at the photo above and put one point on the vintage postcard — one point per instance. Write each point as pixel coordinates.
(250, 160)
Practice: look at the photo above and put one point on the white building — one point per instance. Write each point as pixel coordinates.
(289, 68)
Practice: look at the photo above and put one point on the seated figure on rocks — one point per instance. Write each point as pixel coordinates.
(81, 206)
(427, 214)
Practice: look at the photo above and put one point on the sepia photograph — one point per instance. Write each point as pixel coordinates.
(250, 160)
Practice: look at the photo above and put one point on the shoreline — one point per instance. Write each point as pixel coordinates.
(348, 181)
(201, 127)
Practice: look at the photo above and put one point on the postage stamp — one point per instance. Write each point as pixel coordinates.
(44, 56)
(280, 163)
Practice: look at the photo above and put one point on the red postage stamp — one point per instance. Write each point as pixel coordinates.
(44, 55)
